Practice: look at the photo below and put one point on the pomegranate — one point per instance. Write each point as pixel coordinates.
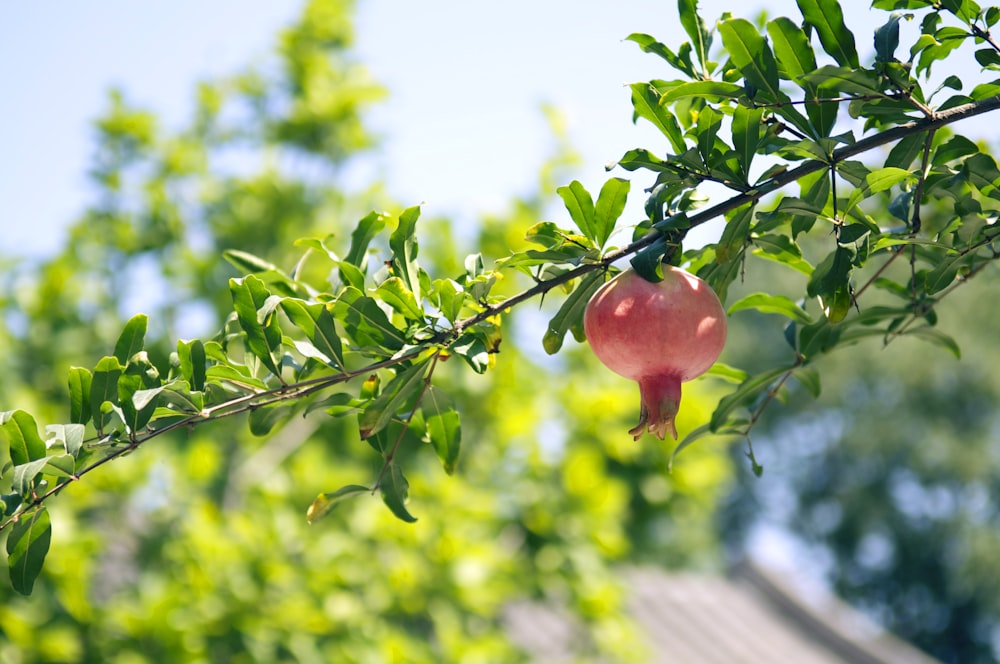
(658, 334)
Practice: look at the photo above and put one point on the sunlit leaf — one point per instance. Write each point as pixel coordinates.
(132, 338)
(317, 323)
(610, 205)
(693, 24)
(649, 45)
(580, 206)
(646, 102)
(403, 243)
(713, 90)
(327, 501)
(771, 304)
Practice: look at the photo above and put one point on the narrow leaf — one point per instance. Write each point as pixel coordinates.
(828, 20)
(570, 314)
(191, 355)
(104, 387)
(693, 24)
(580, 206)
(646, 102)
(366, 231)
(79, 395)
(27, 546)
(403, 243)
(610, 205)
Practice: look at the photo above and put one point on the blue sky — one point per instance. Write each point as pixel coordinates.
(495, 62)
(502, 60)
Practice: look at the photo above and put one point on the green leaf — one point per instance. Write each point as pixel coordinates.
(403, 243)
(792, 49)
(693, 24)
(317, 323)
(394, 489)
(734, 235)
(104, 388)
(444, 427)
(877, 181)
(192, 358)
(61, 465)
(79, 395)
(749, 53)
(648, 262)
(472, 348)
(327, 501)
(781, 249)
(178, 394)
(646, 102)
(264, 419)
(809, 378)
(771, 304)
(633, 160)
(450, 298)
(365, 322)
(843, 79)
(399, 393)
(393, 291)
(610, 205)
(828, 20)
(570, 314)
(711, 90)
(25, 475)
(27, 546)
(132, 338)
(981, 172)
(746, 135)
(887, 39)
(67, 436)
(748, 390)
(580, 206)
(938, 338)
(263, 337)
(649, 44)
(727, 373)
(248, 263)
(362, 235)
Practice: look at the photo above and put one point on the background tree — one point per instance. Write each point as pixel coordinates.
(387, 334)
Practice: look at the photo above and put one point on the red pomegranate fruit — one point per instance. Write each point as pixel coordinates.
(658, 334)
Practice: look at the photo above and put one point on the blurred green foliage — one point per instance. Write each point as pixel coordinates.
(195, 547)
